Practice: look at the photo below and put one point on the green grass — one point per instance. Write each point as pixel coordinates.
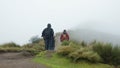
(61, 62)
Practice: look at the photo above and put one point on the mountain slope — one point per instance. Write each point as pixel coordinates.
(91, 35)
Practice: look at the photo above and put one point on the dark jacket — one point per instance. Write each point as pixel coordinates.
(48, 33)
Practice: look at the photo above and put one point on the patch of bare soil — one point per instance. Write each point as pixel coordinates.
(18, 60)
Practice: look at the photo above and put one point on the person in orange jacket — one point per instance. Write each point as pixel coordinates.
(64, 36)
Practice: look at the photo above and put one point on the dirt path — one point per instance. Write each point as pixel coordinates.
(17, 60)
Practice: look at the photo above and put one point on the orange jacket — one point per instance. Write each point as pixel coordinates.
(64, 37)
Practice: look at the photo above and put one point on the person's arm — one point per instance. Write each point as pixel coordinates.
(43, 33)
(61, 38)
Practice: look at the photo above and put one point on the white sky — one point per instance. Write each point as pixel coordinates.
(22, 19)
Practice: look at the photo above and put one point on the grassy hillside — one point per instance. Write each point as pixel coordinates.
(81, 55)
(61, 62)
(33, 48)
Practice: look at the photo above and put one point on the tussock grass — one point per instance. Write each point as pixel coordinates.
(61, 62)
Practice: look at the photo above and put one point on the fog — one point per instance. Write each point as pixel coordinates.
(22, 19)
(88, 36)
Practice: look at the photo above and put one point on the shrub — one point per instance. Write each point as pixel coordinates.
(41, 54)
(65, 43)
(32, 51)
(41, 42)
(85, 54)
(65, 50)
(37, 46)
(110, 54)
(104, 50)
(83, 43)
(27, 46)
(34, 48)
(11, 44)
(115, 55)
(10, 49)
(79, 51)
(75, 45)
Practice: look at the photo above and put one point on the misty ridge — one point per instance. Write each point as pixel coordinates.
(89, 35)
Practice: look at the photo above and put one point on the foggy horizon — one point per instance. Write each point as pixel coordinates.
(22, 19)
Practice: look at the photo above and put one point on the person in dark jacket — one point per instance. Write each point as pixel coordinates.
(48, 36)
(64, 36)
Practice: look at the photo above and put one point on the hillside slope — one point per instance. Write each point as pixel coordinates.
(91, 35)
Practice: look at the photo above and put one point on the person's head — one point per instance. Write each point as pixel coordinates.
(48, 25)
(64, 32)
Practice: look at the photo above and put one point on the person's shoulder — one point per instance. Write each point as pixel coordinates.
(51, 28)
(67, 34)
(45, 28)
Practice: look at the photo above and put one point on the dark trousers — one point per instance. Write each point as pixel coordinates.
(49, 44)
